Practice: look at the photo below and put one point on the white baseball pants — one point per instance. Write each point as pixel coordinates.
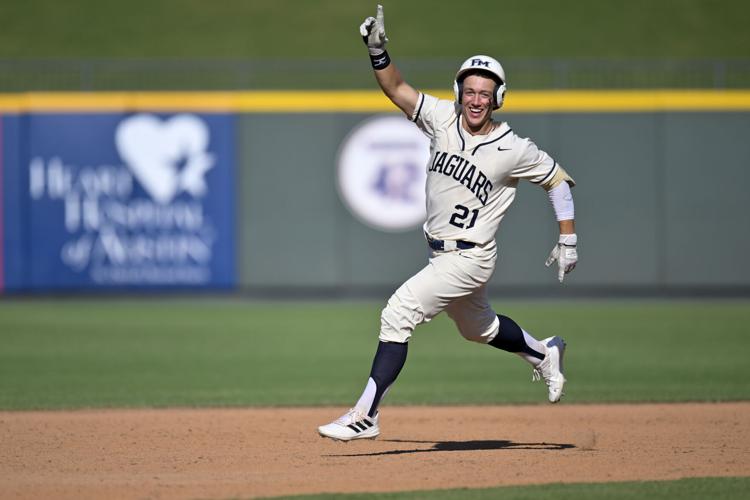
(454, 281)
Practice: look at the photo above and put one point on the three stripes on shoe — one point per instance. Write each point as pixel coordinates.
(360, 426)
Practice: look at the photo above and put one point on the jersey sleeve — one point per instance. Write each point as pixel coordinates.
(431, 113)
(534, 164)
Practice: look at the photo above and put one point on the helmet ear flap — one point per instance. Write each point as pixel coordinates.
(458, 90)
(499, 95)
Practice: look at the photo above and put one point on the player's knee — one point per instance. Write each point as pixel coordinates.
(480, 328)
(399, 317)
(394, 324)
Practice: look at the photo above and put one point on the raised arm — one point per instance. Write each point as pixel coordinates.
(387, 74)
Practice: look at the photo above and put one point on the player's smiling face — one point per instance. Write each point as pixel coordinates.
(477, 104)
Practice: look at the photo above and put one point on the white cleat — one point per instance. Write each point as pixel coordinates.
(551, 368)
(353, 425)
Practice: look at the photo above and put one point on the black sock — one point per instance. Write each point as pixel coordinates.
(510, 338)
(389, 359)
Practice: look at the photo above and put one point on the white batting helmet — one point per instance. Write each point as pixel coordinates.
(482, 63)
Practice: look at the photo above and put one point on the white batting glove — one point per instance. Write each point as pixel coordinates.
(565, 254)
(373, 33)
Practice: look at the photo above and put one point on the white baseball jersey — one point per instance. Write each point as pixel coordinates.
(472, 179)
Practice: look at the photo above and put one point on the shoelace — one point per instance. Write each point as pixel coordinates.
(536, 375)
(353, 415)
(538, 372)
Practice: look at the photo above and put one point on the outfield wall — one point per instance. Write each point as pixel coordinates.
(660, 193)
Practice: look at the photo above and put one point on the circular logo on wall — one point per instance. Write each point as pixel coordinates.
(381, 173)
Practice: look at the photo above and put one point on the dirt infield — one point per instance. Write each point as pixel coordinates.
(226, 453)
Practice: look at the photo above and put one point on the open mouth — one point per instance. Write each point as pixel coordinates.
(475, 111)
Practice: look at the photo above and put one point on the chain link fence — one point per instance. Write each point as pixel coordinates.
(527, 74)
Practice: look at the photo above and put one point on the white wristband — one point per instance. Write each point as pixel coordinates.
(570, 240)
(562, 201)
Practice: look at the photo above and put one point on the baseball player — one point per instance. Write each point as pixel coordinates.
(475, 165)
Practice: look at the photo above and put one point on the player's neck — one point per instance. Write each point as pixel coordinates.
(484, 129)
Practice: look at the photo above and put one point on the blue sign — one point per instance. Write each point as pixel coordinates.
(127, 200)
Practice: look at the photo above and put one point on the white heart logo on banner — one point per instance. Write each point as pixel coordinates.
(166, 157)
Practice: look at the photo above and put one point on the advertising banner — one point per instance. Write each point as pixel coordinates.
(13, 203)
(382, 174)
(124, 200)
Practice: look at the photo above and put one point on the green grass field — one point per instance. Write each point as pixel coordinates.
(291, 44)
(321, 29)
(684, 489)
(76, 353)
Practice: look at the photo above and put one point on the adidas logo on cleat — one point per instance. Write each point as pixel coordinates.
(352, 425)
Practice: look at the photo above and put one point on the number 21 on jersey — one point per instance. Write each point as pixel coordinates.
(458, 219)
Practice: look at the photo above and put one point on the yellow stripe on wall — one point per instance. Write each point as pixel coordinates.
(629, 101)
(367, 101)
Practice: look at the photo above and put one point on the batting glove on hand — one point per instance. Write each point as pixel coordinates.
(565, 254)
(373, 33)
